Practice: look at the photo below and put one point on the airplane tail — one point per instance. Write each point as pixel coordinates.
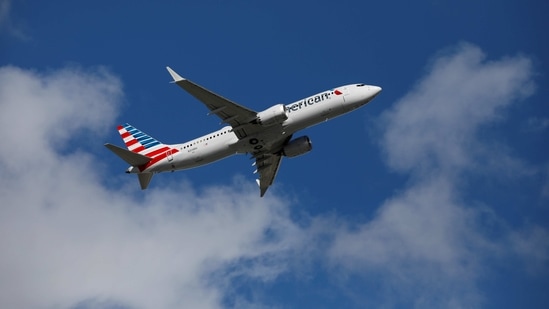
(142, 152)
(138, 141)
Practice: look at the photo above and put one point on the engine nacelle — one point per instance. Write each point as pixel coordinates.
(276, 114)
(297, 147)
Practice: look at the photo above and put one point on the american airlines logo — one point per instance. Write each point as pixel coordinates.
(312, 100)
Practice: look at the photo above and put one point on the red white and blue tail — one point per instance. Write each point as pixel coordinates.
(139, 142)
(143, 152)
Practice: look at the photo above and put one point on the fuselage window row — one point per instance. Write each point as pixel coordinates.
(202, 140)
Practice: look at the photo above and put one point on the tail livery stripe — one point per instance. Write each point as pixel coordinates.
(138, 141)
(157, 152)
(157, 158)
(131, 142)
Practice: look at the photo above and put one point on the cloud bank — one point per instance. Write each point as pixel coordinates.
(431, 240)
(69, 241)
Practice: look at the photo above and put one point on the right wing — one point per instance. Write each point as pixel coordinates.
(267, 167)
(268, 162)
(237, 116)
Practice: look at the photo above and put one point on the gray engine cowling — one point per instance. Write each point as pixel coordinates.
(297, 147)
(276, 114)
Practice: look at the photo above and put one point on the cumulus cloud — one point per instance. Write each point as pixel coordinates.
(68, 241)
(423, 248)
(430, 241)
(435, 125)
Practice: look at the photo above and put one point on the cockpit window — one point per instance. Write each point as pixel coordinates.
(360, 85)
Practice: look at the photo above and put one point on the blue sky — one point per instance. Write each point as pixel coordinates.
(434, 195)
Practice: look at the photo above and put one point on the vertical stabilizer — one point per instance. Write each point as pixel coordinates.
(139, 142)
(144, 179)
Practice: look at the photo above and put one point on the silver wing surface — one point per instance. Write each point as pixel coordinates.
(267, 167)
(267, 163)
(235, 115)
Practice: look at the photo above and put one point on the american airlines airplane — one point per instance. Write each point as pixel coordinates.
(266, 135)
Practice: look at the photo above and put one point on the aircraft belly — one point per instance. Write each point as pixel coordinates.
(203, 155)
(268, 140)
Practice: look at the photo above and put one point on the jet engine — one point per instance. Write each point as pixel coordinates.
(273, 115)
(297, 147)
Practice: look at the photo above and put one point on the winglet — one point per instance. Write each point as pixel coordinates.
(174, 75)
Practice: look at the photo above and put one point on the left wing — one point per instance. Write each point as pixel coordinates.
(237, 116)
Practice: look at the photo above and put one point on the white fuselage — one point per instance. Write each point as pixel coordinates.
(301, 114)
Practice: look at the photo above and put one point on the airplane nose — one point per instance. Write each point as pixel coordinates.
(375, 89)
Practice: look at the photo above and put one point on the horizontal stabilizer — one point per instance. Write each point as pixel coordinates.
(132, 158)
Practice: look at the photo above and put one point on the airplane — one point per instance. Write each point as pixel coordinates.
(267, 135)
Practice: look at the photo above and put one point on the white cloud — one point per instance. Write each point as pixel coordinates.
(434, 126)
(427, 245)
(67, 241)
(421, 248)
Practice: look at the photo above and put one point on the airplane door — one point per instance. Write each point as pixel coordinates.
(169, 155)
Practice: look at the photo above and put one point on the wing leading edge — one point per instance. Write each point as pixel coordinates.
(235, 115)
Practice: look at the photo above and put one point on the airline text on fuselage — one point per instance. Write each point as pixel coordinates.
(308, 101)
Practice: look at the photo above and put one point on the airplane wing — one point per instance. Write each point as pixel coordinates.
(237, 116)
(267, 163)
(267, 167)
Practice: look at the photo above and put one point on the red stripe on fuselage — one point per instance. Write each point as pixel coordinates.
(158, 151)
(157, 159)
